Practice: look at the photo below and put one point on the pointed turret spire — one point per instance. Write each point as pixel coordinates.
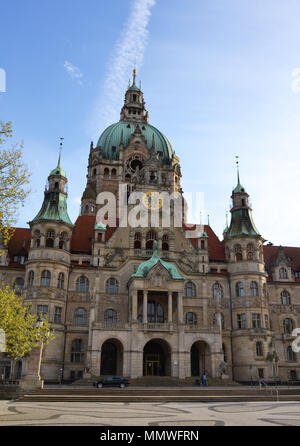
(60, 149)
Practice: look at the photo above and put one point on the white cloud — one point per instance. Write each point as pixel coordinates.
(128, 53)
(73, 71)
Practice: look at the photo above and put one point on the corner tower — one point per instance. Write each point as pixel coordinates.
(251, 333)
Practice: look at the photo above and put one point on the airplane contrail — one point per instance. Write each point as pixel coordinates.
(127, 54)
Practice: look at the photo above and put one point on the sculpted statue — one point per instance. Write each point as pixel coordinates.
(223, 368)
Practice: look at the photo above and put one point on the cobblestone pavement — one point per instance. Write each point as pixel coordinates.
(149, 414)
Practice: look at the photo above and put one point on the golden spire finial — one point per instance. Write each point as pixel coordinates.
(134, 76)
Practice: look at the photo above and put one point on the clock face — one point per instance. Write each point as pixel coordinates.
(152, 200)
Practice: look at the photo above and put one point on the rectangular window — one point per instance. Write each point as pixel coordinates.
(241, 320)
(297, 274)
(57, 315)
(42, 310)
(256, 320)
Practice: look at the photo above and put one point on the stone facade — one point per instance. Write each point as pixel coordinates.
(204, 305)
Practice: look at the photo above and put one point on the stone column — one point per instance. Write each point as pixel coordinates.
(170, 307)
(180, 307)
(134, 305)
(145, 307)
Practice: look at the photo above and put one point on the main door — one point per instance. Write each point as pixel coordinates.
(152, 366)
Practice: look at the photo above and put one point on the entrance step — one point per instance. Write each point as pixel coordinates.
(153, 381)
(171, 394)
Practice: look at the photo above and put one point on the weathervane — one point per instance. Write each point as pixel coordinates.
(237, 167)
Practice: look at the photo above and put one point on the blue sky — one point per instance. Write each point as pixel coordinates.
(217, 80)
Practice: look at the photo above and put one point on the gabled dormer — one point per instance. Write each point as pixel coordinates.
(282, 270)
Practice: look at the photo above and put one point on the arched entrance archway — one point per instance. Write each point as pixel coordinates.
(111, 358)
(157, 358)
(200, 358)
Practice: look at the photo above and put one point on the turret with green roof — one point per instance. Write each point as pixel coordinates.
(54, 207)
(242, 223)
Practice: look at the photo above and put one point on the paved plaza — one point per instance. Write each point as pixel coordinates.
(149, 414)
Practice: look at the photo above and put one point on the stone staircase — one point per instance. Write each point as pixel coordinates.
(159, 381)
(140, 394)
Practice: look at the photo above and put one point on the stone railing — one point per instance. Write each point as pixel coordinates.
(110, 325)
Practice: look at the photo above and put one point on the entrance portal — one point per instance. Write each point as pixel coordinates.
(157, 358)
(200, 359)
(112, 358)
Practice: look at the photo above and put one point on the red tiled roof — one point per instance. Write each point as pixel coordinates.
(270, 255)
(84, 232)
(215, 247)
(15, 245)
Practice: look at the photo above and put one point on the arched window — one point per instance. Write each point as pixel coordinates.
(250, 251)
(253, 289)
(50, 239)
(112, 286)
(45, 278)
(19, 285)
(106, 173)
(288, 326)
(259, 349)
(290, 355)
(283, 273)
(217, 290)
(165, 242)
(94, 172)
(80, 317)
(137, 240)
(113, 173)
(285, 298)
(76, 351)
(82, 284)
(190, 318)
(150, 237)
(62, 240)
(239, 289)
(238, 253)
(60, 280)
(30, 278)
(190, 289)
(110, 316)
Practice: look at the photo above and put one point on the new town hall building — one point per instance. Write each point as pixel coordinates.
(138, 301)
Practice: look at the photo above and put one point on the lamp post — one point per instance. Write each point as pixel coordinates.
(32, 379)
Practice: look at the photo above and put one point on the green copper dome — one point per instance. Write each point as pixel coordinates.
(110, 139)
(145, 267)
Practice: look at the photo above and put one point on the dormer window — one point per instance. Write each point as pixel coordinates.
(283, 273)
